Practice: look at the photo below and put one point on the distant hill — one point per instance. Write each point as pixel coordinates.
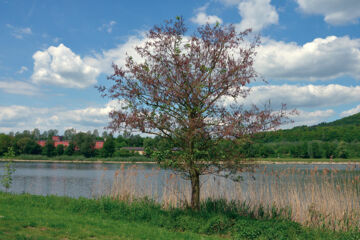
(345, 129)
(350, 120)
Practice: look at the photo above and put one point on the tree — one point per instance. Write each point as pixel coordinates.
(69, 134)
(60, 150)
(109, 147)
(36, 134)
(7, 178)
(69, 150)
(49, 149)
(96, 133)
(5, 143)
(86, 143)
(179, 90)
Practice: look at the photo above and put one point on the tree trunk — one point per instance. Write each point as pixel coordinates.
(195, 189)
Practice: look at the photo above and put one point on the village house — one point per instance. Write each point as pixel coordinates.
(139, 150)
(58, 140)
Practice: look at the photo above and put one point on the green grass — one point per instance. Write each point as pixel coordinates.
(34, 217)
(37, 217)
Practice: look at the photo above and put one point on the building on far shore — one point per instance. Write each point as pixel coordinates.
(139, 150)
(58, 140)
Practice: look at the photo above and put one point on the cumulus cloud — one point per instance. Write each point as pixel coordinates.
(60, 66)
(202, 18)
(335, 12)
(310, 118)
(107, 26)
(294, 96)
(321, 59)
(117, 55)
(19, 32)
(255, 14)
(19, 118)
(350, 111)
(19, 87)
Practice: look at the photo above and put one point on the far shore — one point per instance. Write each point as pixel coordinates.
(269, 161)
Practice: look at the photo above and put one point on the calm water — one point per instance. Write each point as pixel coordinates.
(91, 180)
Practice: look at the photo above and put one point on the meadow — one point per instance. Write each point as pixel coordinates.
(27, 216)
(270, 202)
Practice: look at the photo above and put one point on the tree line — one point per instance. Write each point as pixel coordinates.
(80, 143)
(265, 145)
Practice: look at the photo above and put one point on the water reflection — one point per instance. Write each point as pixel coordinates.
(91, 180)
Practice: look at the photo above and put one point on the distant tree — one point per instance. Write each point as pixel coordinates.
(69, 134)
(52, 132)
(95, 133)
(35, 134)
(44, 135)
(135, 141)
(49, 149)
(32, 147)
(70, 150)
(341, 151)
(60, 150)
(149, 146)
(5, 143)
(24, 145)
(176, 92)
(86, 143)
(109, 147)
(104, 134)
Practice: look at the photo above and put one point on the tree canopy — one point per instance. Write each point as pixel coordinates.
(178, 91)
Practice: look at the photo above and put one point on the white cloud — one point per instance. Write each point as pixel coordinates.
(309, 96)
(116, 55)
(202, 18)
(22, 70)
(350, 111)
(60, 66)
(310, 118)
(18, 32)
(256, 14)
(18, 87)
(107, 26)
(321, 59)
(19, 118)
(335, 12)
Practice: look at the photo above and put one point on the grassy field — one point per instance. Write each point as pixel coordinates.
(36, 217)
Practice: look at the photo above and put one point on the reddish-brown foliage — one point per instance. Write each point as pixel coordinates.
(177, 92)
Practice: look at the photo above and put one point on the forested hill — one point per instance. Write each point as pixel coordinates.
(346, 129)
(350, 120)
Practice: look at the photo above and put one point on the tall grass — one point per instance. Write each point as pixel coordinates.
(326, 198)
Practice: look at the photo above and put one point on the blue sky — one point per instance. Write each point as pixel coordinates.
(52, 53)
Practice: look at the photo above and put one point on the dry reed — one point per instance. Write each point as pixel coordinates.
(326, 198)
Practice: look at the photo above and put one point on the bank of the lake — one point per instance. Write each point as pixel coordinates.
(143, 159)
(27, 216)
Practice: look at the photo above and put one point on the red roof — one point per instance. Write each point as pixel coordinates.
(99, 144)
(42, 143)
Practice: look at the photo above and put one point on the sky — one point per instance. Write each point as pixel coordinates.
(53, 53)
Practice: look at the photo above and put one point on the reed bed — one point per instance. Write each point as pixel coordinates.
(325, 198)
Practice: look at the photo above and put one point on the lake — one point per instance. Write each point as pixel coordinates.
(91, 180)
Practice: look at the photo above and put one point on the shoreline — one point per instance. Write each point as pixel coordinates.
(152, 162)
